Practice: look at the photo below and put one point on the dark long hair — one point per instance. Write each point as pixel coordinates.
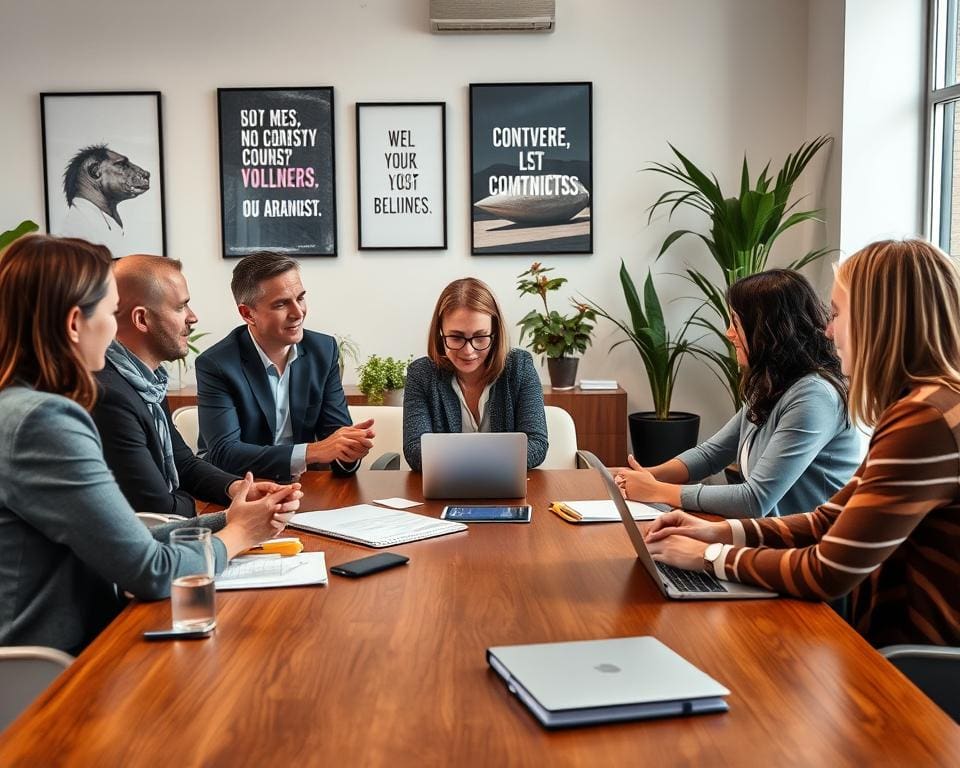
(783, 322)
(42, 278)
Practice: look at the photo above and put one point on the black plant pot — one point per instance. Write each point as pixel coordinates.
(563, 371)
(657, 440)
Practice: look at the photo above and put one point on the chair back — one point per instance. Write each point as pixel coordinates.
(562, 436)
(388, 424)
(934, 669)
(26, 671)
(187, 422)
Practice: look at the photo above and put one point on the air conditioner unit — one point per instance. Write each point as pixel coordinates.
(493, 15)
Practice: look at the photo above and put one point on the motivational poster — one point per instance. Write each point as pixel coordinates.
(277, 177)
(401, 175)
(531, 168)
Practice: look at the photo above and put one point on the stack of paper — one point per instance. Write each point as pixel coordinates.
(374, 526)
(598, 384)
(261, 571)
(601, 511)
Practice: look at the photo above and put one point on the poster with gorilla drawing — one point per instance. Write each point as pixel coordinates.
(103, 169)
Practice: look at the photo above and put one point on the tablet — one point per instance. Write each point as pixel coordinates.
(488, 514)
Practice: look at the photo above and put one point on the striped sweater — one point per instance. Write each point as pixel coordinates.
(890, 537)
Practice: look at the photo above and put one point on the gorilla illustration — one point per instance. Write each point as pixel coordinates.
(104, 178)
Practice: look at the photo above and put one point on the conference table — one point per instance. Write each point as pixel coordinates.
(390, 670)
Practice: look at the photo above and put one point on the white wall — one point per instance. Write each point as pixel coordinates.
(714, 78)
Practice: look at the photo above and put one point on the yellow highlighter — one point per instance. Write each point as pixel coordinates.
(283, 547)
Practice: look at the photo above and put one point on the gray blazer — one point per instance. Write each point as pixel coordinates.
(804, 453)
(515, 405)
(68, 533)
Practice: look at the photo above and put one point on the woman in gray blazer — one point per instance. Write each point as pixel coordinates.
(470, 380)
(794, 442)
(68, 533)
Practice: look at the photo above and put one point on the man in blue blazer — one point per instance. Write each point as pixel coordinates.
(269, 394)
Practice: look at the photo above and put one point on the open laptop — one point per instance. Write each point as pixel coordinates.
(601, 681)
(474, 465)
(674, 583)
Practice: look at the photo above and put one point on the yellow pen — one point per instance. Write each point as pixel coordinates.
(286, 547)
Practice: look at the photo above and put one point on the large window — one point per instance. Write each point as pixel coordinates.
(944, 124)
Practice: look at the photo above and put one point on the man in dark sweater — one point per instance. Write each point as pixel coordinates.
(154, 467)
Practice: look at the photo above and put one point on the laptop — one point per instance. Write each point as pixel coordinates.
(474, 465)
(675, 583)
(604, 681)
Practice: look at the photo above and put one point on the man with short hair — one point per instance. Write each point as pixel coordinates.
(153, 466)
(269, 393)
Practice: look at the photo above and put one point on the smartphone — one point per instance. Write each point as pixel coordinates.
(520, 513)
(367, 565)
(176, 634)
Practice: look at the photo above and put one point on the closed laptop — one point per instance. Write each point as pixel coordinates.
(474, 465)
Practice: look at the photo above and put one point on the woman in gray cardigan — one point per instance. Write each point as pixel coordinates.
(794, 442)
(470, 380)
(68, 533)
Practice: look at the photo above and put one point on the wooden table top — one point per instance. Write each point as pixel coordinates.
(390, 670)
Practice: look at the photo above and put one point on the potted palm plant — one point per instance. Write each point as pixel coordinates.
(662, 433)
(743, 230)
(557, 336)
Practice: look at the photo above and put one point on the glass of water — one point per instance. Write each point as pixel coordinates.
(193, 595)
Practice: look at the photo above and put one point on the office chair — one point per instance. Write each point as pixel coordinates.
(388, 424)
(187, 422)
(562, 436)
(26, 671)
(934, 669)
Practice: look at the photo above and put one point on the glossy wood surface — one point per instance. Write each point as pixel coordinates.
(390, 670)
(600, 416)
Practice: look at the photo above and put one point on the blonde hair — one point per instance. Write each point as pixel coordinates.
(904, 322)
(472, 294)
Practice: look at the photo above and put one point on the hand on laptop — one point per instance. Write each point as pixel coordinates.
(683, 524)
(347, 444)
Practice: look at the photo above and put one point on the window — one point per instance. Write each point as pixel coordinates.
(943, 178)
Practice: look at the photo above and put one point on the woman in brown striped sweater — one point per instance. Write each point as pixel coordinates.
(891, 536)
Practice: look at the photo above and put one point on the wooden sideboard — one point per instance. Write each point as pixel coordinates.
(600, 416)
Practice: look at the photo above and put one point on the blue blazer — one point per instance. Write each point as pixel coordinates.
(515, 405)
(237, 411)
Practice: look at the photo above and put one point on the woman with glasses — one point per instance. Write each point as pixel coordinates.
(470, 380)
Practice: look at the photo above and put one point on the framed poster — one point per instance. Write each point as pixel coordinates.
(103, 169)
(401, 175)
(277, 173)
(531, 168)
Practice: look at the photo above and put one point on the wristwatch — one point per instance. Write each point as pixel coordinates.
(710, 556)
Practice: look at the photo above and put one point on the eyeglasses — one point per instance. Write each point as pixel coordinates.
(479, 342)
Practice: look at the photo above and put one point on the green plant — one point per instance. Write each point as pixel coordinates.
(379, 374)
(743, 230)
(183, 363)
(661, 353)
(12, 234)
(346, 348)
(551, 333)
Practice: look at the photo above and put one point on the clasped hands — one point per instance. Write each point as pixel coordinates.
(347, 445)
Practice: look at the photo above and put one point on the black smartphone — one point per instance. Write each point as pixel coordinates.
(367, 565)
(176, 634)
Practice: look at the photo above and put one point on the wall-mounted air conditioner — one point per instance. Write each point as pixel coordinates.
(493, 15)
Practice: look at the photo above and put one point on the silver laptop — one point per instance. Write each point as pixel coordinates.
(674, 583)
(602, 681)
(474, 465)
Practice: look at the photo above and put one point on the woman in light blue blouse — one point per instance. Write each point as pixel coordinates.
(792, 438)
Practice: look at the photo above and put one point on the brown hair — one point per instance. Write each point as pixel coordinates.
(472, 294)
(252, 270)
(42, 278)
(904, 322)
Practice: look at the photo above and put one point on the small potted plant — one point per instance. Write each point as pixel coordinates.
(662, 433)
(382, 380)
(346, 348)
(557, 336)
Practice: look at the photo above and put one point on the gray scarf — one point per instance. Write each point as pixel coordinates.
(152, 388)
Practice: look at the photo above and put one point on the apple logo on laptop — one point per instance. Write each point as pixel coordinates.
(608, 668)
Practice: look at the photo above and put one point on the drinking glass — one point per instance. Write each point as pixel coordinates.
(193, 595)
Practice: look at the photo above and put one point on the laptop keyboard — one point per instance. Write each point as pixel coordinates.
(690, 581)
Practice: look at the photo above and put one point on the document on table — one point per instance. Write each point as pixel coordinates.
(262, 571)
(602, 511)
(374, 526)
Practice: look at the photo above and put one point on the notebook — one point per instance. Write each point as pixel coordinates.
(603, 681)
(266, 571)
(602, 511)
(374, 526)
